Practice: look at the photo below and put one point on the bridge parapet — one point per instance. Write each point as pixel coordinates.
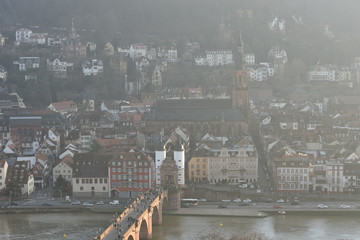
(136, 221)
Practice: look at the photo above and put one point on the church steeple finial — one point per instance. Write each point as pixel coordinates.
(240, 63)
(72, 26)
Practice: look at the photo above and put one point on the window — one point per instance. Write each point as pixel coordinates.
(105, 180)
(100, 180)
(77, 181)
(83, 181)
(104, 188)
(92, 188)
(81, 188)
(95, 181)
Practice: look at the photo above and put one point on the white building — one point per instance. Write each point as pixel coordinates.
(249, 59)
(200, 61)
(219, 58)
(3, 73)
(38, 38)
(269, 67)
(277, 24)
(2, 40)
(257, 73)
(322, 73)
(26, 63)
(137, 51)
(334, 176)
(58, 67)
(23, 35)
(179, 157)
(93, 67)
(292, 174)
(3, 172)
(64, 169)
(172, 55)
(233, 163)
(279, 53)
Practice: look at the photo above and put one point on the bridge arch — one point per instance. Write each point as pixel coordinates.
(156, 216)
(130, 238)
(165, 203)
(144, 231)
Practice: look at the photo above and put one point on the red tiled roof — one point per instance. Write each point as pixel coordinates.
(115, 142)
(63, 105)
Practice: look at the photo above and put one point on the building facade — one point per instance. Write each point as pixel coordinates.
(130, 173)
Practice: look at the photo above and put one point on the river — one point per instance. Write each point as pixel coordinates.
(81, 226)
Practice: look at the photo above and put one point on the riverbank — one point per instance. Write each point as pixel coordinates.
(25, 210)
(203, 212)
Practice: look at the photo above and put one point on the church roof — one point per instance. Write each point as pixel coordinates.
(184, 110)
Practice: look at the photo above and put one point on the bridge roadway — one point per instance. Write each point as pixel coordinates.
(135, 222)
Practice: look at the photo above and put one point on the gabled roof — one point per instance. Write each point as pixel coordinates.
(60, 106)
(66, 153)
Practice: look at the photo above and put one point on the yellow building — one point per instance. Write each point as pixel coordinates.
(198, 166)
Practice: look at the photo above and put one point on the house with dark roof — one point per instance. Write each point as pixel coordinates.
(90, 175)
(20, 174)
(63, 168)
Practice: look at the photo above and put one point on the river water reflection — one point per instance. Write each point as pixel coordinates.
(81, 226)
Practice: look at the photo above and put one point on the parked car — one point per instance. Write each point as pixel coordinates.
(100, 203)
(238, 200)
(114, 202)
(280, 201)
(222, 206)
(277, 206)
(226, 200)
(344, 206)
(76, 203)
(252, 186)
(202, 200)
(87, 204)
(248, 200)
(322, 206)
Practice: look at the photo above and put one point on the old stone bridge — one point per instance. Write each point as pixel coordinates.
(136, 221)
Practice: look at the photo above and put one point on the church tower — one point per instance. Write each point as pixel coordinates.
(240, 89)
(73, 33)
